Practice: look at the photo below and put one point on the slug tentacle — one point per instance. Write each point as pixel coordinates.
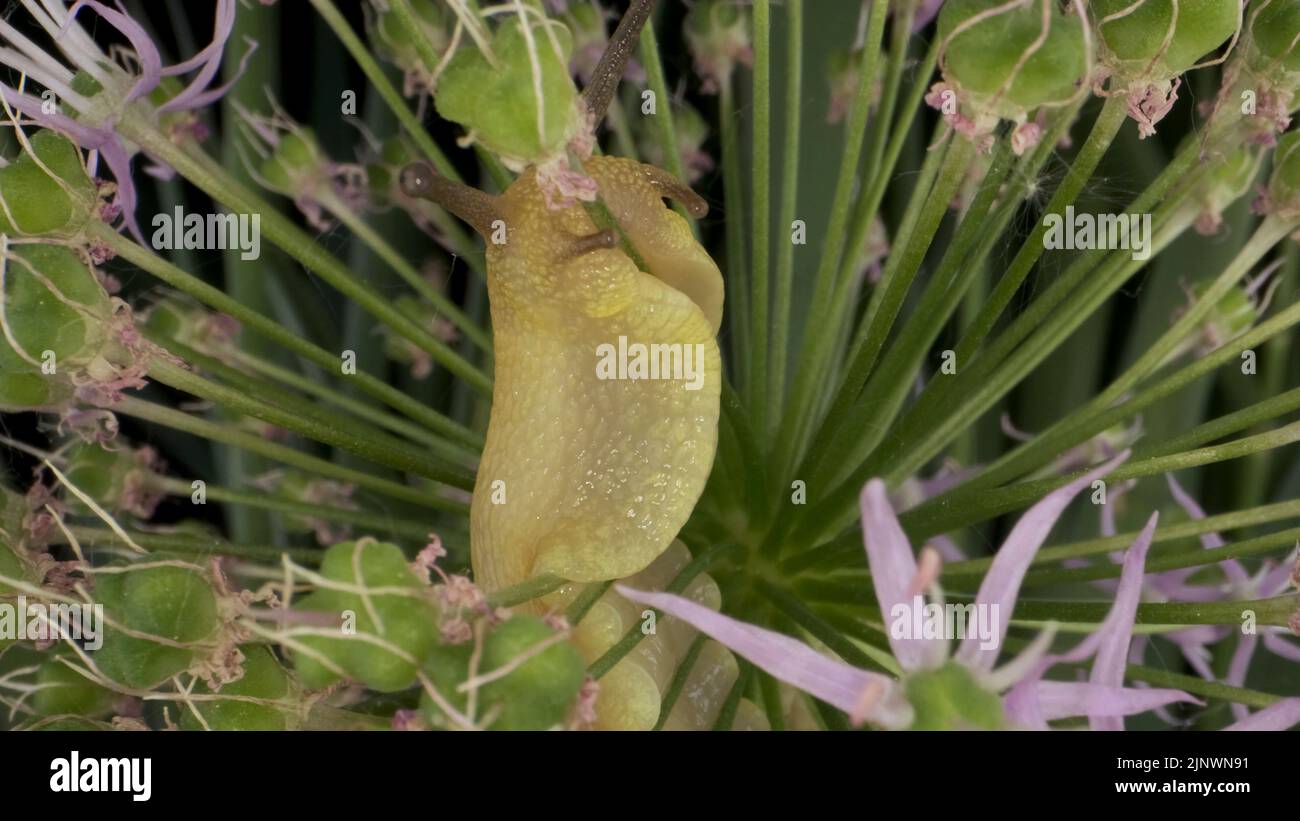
(609, 71)
(601, 240)
(479, 209)
(675, 189)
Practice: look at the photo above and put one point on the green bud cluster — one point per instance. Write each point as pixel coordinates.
(396, 43)
(1149, 43)
(45, 192)
(264, 698)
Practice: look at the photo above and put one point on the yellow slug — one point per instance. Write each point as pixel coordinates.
(605, 407)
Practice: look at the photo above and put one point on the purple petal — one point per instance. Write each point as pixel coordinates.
(789, 660)
(1001, 584)
(1238, 667)
(1283, 715)
(197, 94)
(1279, 646)
(222, 27)
(1066, 699)
(146, 51)
(1231, 567)
(893, 569)
(927, 11)
(1116, 632)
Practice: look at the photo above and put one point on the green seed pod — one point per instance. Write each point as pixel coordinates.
(173, 603)
(498, 100)
(949, 698)
(396, 43)
(1284, 185)
(64, 691)
(296, 162)
(406, 619)
(537, 695)
(74, 724)
(718, 36)
(984, 60)
(1270, 45)
(1136, 41)
(116, 479)
(55, 200)
(263, 678)
(55, 314)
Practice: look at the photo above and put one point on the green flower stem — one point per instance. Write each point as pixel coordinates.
(358, 408)
(664, 130)
(761, 242)
(678, 683)
(1068, 431)
(190, 544)
(727, 715)
(944, 401)
(820, 334)
(375, 73)
(382, 249)
(291, 402)
(772, 705)
(1113, 114)
(750, 474)
(633, 636)
(1198, 686)
(981, 386)
(526, 591)
(272, 330)
(920, 223)
(584, 601)
(942, 514)
(798, 612)
(887, 388)
(1283, 540)
(1275, 611)
(1226, 425)
(297, 243)
(900, 33)
(783, 283)
(262, 501)
(354, 439)
(734, 195)
(1178, 531)
(234, 437)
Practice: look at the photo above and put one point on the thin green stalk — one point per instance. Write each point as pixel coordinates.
(526, 591)
(390, 255)
(272, 330)
(297, 243)
(819, 335)
(375, 74)
(188, 543)
(952, 510)
(1066, 432)
(798, 612)
(664, 130)
(734, 194)
(757, 351)
(234, 437)
(1198, 686)
(634, 635)
(680, 676)
(353, 440)
(1113, 114)
(727, 715)
(784, 277)
(262, 501)
(358, 408)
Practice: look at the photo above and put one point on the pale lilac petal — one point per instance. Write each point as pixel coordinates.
(1231, 567)
(893, 569)
(1283, 715)
(838, 684)
(1238, 667)
(1001, 584)
(927, 11)
(1278, 578)
(211, 54)
(146, 51)
(1117, 631)
(1066, 699)
(1279, 646)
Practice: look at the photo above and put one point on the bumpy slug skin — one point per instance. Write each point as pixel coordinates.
(599, 474)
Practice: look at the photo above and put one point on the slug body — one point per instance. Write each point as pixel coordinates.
(590, 468)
